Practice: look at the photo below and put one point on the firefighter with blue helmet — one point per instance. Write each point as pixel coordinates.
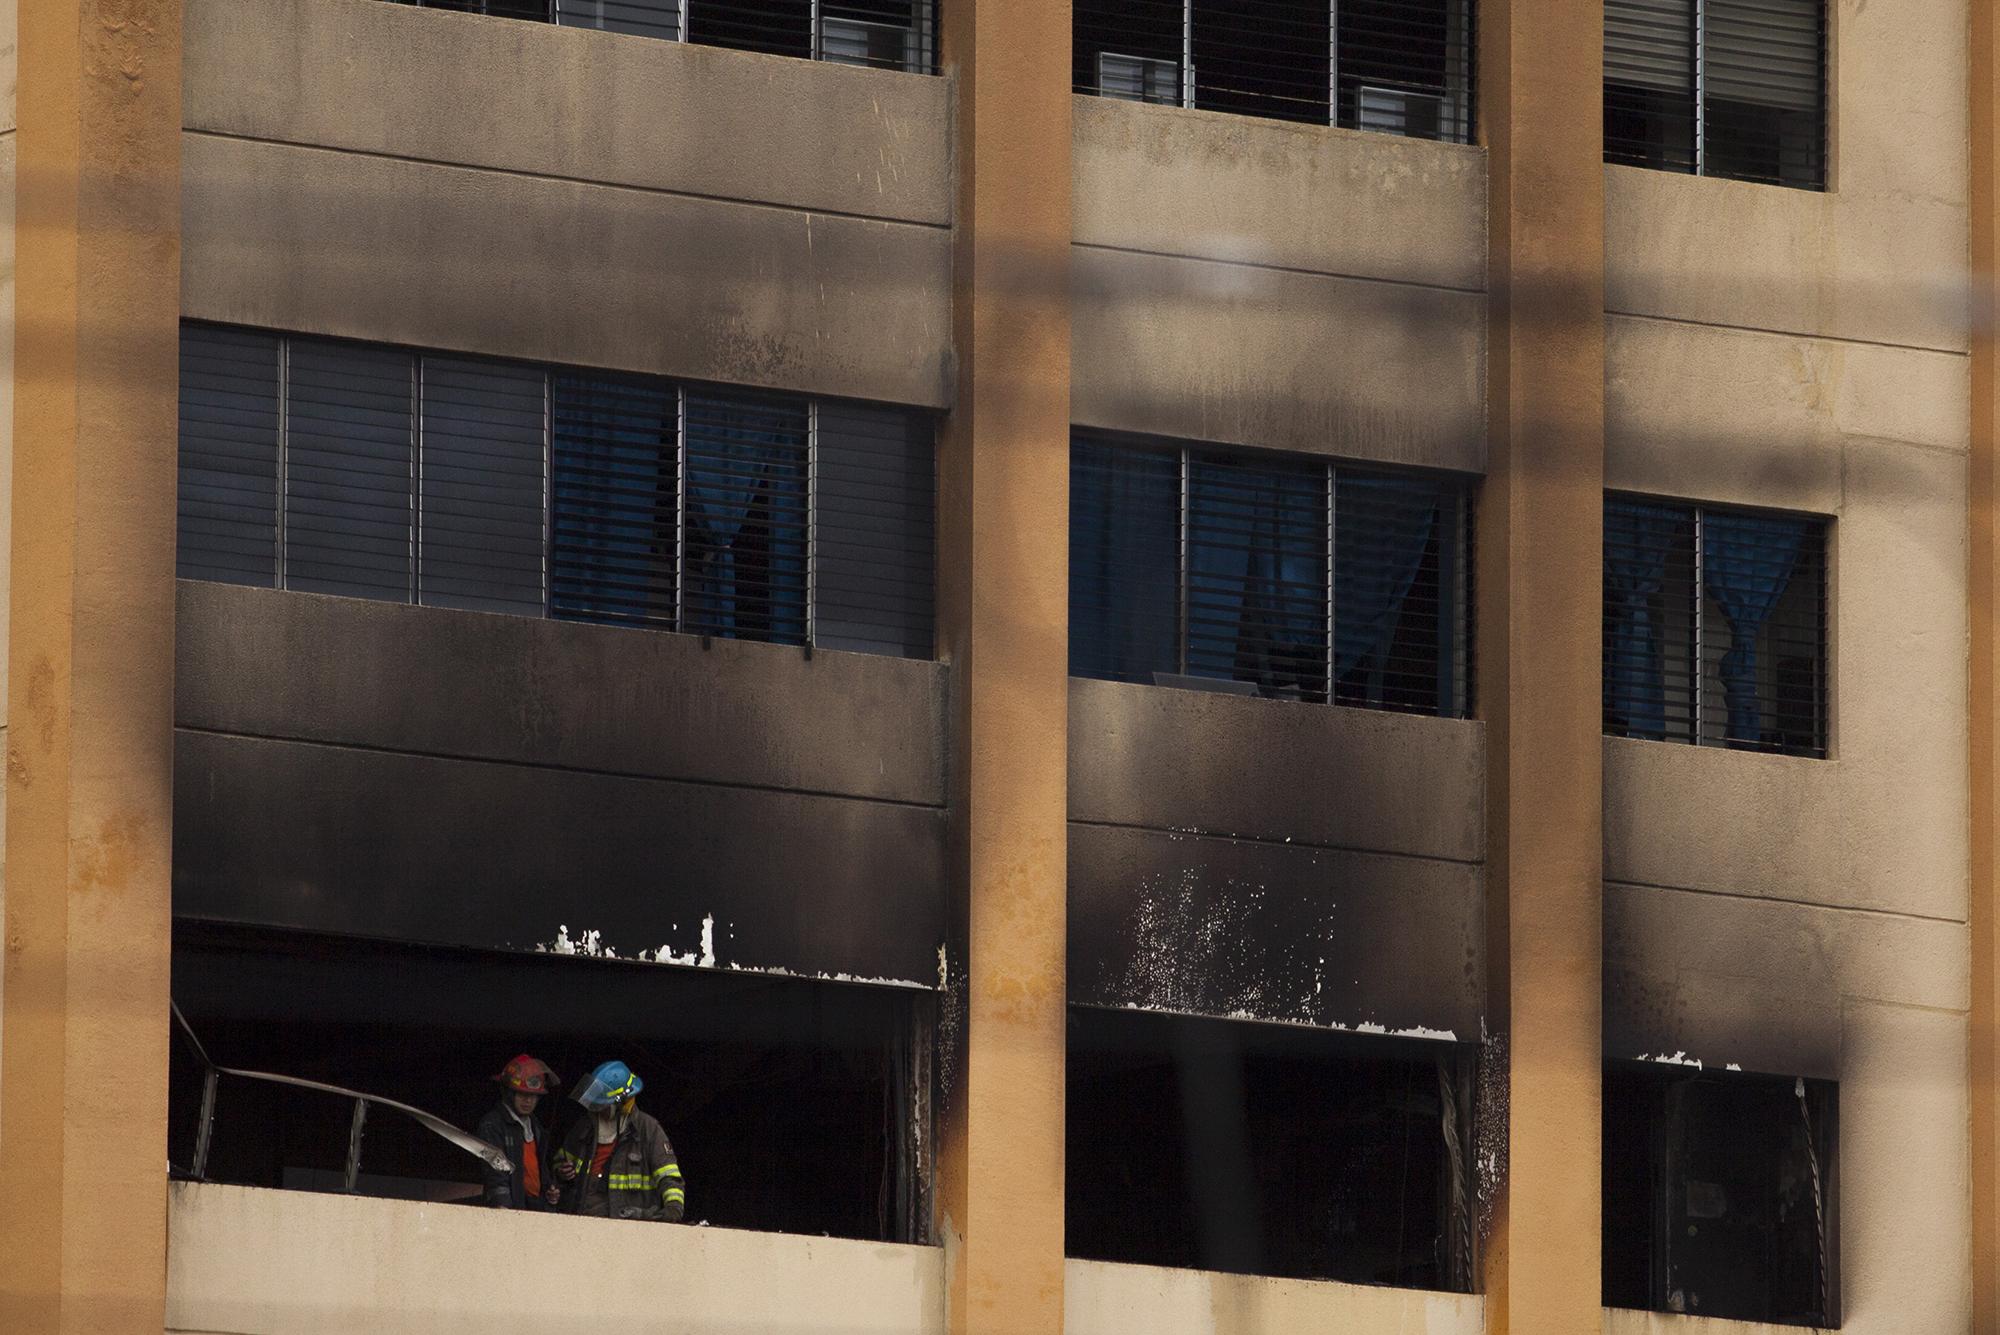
(619, 1158)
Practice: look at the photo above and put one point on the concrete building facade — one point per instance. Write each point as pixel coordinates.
(969, 865)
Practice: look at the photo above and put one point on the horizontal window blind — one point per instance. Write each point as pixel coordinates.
(615, 500)
(1731, 88)
(874, 526)
(1295, 578)
(228, 486)
(483, 489)
(495, 486)
(1715, 626)
(882, 34)
(1397, 66)
(350, 470)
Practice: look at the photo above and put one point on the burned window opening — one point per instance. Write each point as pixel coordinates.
(1720, 1194)
(795, 1106)
(1266, 1149)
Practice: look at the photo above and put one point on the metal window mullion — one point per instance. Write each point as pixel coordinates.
(1187, 53)
(1699, 675)
(1333, 69)
(812, 522)
(680, 508)
(681, 13)
(813, 42)
(548, 492)
(1332, 482)
(1700, 97)
(415, 527)
(284, 453)
(1186, 555)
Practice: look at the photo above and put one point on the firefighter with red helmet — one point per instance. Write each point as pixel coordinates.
(514, 1127)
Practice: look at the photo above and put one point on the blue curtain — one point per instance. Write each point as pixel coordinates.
(1381, 528)
(1747, 563)
(1257, 576)
(746, 521)
(1124, 568)
(1637, 538)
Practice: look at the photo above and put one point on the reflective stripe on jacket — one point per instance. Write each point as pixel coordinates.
(641, 1180)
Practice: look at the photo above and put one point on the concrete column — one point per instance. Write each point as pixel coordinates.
(1984, 588)
(1540, 628)
(83, 1025)
(1004, 542)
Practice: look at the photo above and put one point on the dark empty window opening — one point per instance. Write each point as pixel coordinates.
(1267, 574)
(1720, 1193)
(882, 34)
(1397, 66)
(1268, 1150)
(378, 472)
(1731, 88)
(1715, 626)
(793, 1106)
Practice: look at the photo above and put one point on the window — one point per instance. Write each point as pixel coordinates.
(1715, 626)
(375, 472)
(885, 34)
(1733, 88)
(1398, 66)
(1719, 1194)
(1268, 1150)
(1283, 575)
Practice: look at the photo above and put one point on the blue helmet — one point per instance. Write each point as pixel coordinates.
(608, 1086)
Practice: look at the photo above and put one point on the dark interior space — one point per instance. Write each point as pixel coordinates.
(1264, 58)
(1140, 38)
(789, 1102)
(775, 27)
(1404, 66)
(1719, 1194)
(1266, 1149)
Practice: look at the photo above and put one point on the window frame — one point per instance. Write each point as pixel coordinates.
(1457, 99)
(914, 438)
(1818, 539)
(1697, 123)
(1455, 667)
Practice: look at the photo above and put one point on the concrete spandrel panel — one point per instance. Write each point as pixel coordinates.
(1753, 418)
(1239, 929)
(1100, 1298)
(1238, 354)
(258, 1262)
(1761, 984)
(569, 102)
(1210, 763)
(1312, 198)
(516, 857)
(266, 663)
(470, 260)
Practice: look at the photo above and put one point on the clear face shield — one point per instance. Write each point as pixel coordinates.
(598, 1094)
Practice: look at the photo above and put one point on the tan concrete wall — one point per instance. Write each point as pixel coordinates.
(377, 198)
(1284, 286)
(242, 1261)
(1106, 1299)
(1805, 351)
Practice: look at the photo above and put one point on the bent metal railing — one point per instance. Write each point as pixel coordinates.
(211, 1075)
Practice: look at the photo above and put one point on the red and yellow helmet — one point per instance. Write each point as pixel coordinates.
(527, 1075)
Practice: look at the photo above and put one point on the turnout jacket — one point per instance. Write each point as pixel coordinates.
(507, 1191)
(641, 1180)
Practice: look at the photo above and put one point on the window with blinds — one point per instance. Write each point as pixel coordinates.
(1273, 575)
(882, 34)
(1732, 88)
(1395, 66)
(375, 472)
(1715, 626)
